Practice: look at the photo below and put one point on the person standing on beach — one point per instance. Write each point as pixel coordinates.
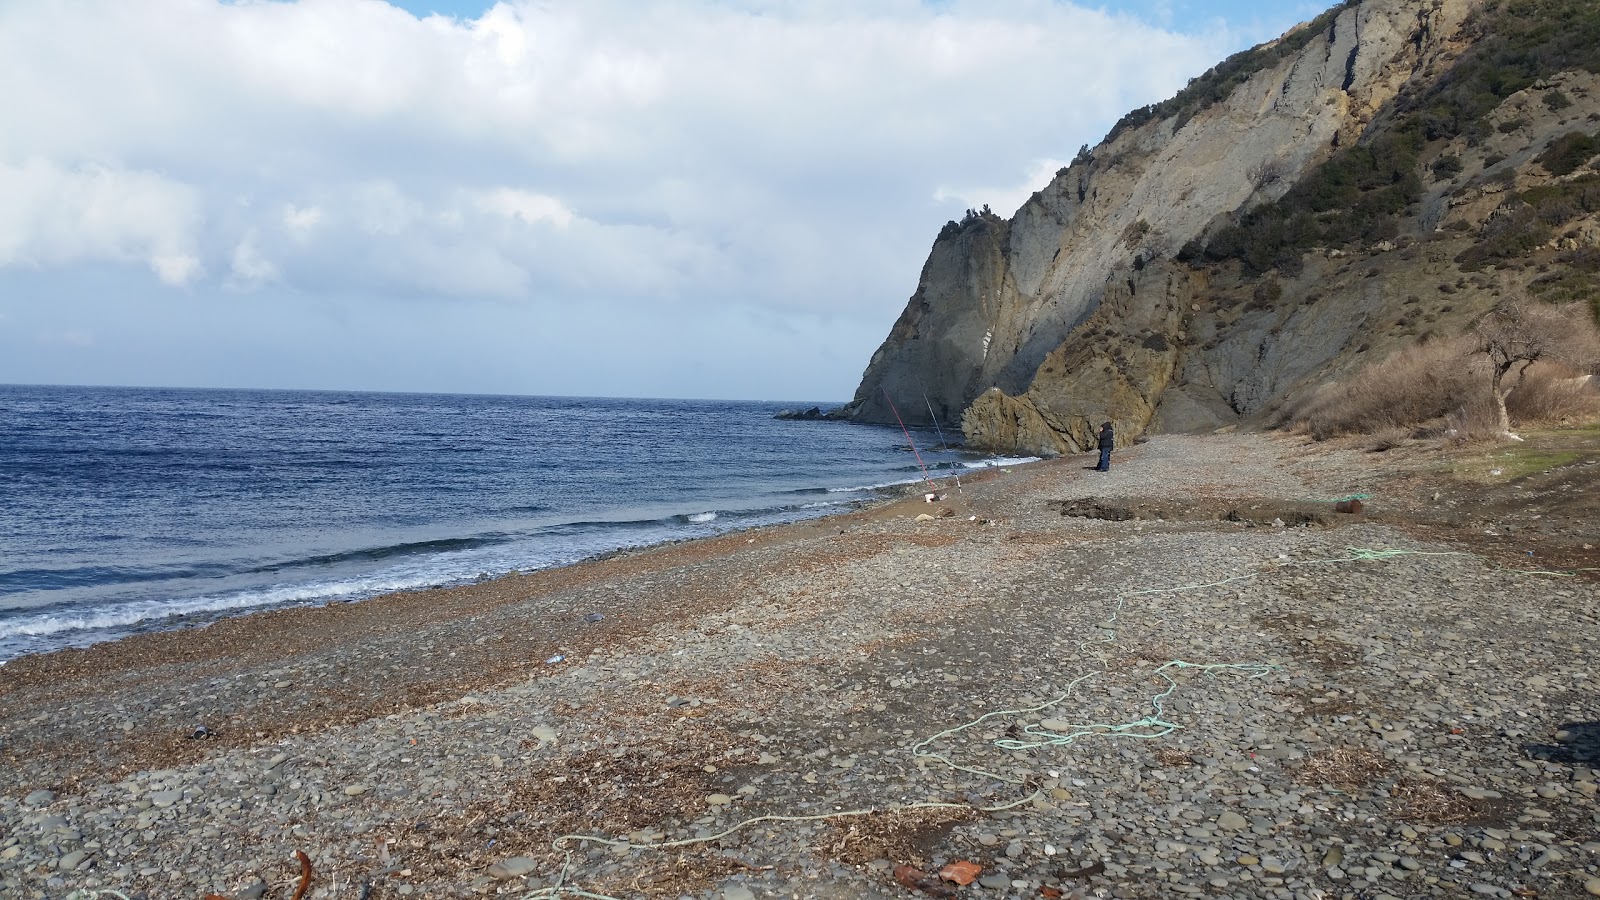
(1108, 442)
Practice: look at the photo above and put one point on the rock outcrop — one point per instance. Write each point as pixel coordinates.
(1074, 311)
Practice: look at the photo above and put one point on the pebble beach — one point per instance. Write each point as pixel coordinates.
(853, 707)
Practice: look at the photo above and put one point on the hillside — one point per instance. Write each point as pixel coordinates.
(1374, 178)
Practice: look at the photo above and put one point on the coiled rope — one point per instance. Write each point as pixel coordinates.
(1149, 727)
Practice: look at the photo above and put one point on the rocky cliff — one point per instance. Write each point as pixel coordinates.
(1288, 215)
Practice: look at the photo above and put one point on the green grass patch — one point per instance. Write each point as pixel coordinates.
(1511, 463)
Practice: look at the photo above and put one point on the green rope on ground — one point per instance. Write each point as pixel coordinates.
(1149, 727)
(1157, 727)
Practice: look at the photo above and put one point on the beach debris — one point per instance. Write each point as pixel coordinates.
(924, 517)
(961, 872)
(555, 659)
(946, 512)
(918, 880)
(305, 874)
(929, 498)
(1049, 892)
(1348, 506)
(201, 732)
(592, 618)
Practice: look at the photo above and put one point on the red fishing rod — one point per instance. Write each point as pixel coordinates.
(913, 444)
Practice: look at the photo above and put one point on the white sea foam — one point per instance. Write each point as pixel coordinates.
(699, 518)
(995, 462)
(874, 487)
(123, 615)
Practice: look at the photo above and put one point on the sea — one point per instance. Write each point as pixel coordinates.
(124, 510)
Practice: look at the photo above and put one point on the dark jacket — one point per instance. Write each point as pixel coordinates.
(1108, 441)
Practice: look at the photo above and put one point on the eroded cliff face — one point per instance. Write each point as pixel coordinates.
(1070, 312)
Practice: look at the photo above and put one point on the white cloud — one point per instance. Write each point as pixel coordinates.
(55, 215)
(525, 206)
(1004, 200)
(249, 268)
(777, 154)
(301, 222)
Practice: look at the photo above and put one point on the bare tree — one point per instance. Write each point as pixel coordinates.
(1516, 334)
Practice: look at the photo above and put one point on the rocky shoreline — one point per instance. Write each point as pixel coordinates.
(1147, 707)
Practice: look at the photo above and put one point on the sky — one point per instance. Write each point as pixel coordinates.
(722, 199)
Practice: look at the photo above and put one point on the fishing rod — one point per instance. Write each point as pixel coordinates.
(914, 450)
(942, 442)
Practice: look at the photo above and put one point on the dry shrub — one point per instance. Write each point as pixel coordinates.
(1416, 385)
(1346, 767)
(1172, 758)
(898, 835)
(1553, 394)
(1474, 421)
(1387, 439)
(1431, 803)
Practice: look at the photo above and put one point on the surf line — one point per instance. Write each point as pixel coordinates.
(907, 432)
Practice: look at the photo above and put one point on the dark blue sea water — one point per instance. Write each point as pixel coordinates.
(128, 509)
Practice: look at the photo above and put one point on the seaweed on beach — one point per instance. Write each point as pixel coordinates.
(900, 835)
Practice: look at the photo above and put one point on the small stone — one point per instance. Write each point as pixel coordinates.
(71, 860)
(1592, 886)
(995, 880)
(355, 790)
(515, 867)
(1489, 890)
(162, 799)
(737, 892)
(1477, 793)
(252, 891)
(40, 798)
(1248, 860)
(718, 800)
(1232, 821)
